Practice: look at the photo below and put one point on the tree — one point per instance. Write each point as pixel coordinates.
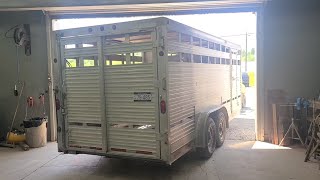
(253, 51)
(250, 54)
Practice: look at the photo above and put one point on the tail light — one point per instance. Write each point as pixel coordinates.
(163, 107)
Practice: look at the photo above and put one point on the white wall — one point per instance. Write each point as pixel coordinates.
(34, 68)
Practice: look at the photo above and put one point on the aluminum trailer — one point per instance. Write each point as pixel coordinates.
(151, 89)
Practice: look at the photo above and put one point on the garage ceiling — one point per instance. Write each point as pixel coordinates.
(125, 7)
(5, 4)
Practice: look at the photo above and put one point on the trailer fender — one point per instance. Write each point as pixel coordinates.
(201, 121)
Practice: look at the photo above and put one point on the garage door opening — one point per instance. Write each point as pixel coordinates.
(238, 28)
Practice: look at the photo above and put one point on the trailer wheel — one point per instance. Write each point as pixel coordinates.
(221, 122)
(210, 140)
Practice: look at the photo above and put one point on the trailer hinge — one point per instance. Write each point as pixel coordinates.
(64, 111)
(161, 42)
(162, 137)
(160, 84)
(164, 83)
(58, 37)
(157, 83)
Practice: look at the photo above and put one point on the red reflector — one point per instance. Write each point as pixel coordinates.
(163, 107)
(143, 152)
(120, 150)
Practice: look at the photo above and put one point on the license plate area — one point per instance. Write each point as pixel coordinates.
(142, 96)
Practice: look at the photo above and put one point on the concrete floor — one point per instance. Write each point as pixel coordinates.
(235, 160)
(239, 158)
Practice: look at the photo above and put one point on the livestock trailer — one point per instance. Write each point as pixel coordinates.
(151, 89)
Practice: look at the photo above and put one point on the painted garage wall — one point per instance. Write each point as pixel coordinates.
(291, 49)
(34, 68)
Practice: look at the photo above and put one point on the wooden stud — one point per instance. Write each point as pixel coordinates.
(275, 124)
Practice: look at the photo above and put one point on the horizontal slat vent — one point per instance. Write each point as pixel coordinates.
(192, 88)
(85, 136)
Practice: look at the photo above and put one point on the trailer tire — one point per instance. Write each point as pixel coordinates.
(210, 140)
(221, 122)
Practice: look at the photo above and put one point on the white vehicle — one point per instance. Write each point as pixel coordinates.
(151, 89)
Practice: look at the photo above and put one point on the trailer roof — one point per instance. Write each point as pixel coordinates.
(173, 23)
(145, 23)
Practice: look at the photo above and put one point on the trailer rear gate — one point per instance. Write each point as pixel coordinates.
(132, 119)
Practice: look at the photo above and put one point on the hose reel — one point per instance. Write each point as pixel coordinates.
(21, 37)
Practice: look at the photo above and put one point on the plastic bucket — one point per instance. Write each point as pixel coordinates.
(36, 132)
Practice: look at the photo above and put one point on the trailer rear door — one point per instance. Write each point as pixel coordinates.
(131, 95)
(81, 86)
(109, 91)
